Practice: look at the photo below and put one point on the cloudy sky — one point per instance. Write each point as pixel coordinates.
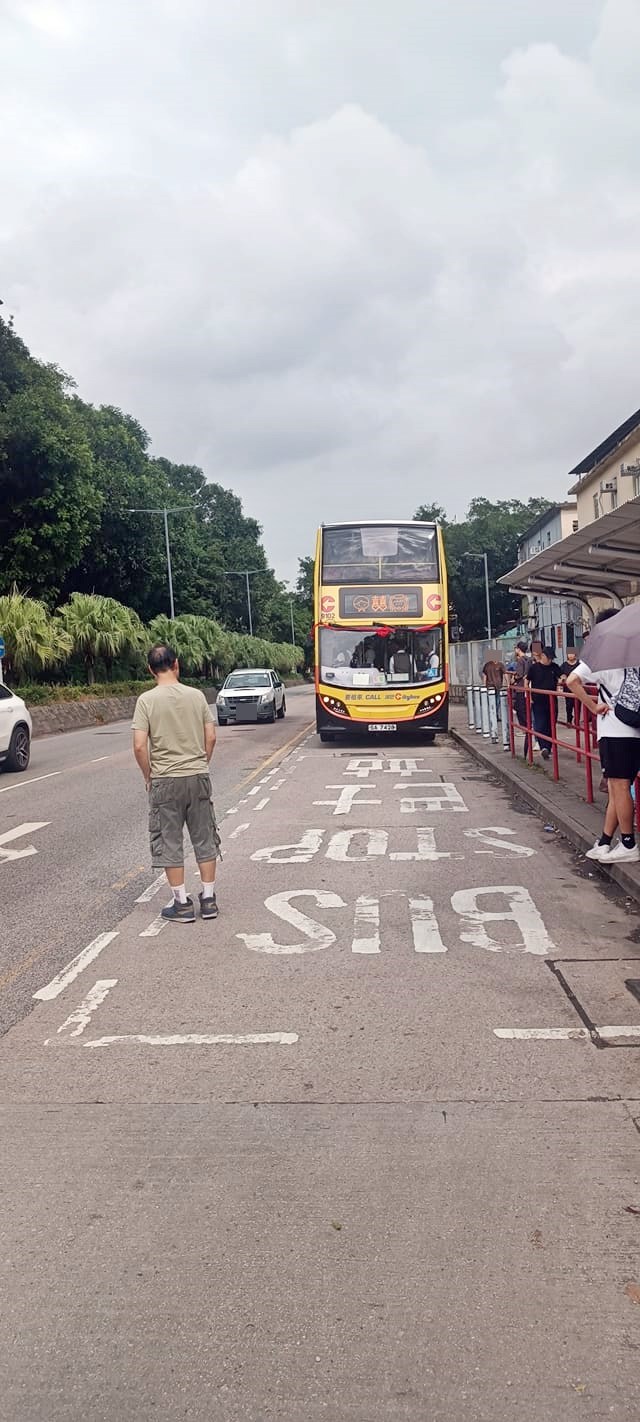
(347, 255)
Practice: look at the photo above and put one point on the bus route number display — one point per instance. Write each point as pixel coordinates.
(380, 602)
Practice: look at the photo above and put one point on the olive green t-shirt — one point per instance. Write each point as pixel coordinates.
(174, 717)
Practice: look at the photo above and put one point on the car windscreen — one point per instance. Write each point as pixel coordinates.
(246, 680)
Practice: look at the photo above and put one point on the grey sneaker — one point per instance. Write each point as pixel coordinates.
(208, 907)
(179, 913)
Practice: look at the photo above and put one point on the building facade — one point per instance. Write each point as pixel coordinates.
(610, 475)
(557, 622)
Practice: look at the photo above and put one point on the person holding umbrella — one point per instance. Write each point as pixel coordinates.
(613, 661)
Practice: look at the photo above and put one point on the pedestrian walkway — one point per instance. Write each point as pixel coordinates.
(562, 802)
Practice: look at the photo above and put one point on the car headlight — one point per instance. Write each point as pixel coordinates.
(267, 696)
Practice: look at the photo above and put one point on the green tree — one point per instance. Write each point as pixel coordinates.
(33, 639)
(49, 504)
(492, 527)
(98, 628)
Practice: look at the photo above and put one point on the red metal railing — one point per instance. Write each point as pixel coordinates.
(583, 746)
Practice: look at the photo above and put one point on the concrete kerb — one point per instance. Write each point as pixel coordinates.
(577, 821)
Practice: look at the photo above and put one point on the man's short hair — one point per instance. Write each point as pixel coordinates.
(548, 652)
(161, 657)
(522, 646)
(607, 613)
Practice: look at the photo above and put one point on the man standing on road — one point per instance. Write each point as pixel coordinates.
(173, 740)
(566, 670)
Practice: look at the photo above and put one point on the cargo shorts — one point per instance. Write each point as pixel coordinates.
(176, 801)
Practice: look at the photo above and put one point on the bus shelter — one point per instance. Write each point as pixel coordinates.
(600, 561)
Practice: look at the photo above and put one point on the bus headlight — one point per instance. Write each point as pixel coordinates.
(429, 703)
(334, 705)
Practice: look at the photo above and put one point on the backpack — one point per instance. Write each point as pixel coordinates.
(627, 702)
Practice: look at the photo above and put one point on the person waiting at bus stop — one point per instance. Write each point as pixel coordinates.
(619, 746)
(542, 679)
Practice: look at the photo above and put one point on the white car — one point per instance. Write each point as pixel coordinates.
(15, 731)
(252, 695)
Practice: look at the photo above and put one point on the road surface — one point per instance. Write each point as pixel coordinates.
(365, 1148)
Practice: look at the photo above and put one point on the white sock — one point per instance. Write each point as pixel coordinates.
(180, 894)
(207, 890)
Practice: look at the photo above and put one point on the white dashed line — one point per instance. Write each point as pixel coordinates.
(197, 1039)
(78, 1020)
(153, 889)
(74, 968)
(240, 829)
(21, 784)
(547, 1034)
(261, 803)
(155, 927)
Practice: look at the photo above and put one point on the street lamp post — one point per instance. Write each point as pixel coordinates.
(483, 556)
(245, 573)
(184, 508)
(293, 630)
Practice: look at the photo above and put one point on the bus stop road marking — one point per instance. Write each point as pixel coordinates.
(201, 1039)
(74, 968)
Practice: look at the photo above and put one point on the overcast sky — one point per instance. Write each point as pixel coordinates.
(346, 255)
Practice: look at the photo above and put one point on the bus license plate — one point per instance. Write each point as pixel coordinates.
(383, 726)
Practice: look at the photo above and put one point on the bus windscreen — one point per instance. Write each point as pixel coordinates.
(388, 554)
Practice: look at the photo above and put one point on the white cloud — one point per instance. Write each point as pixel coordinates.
(349, 261)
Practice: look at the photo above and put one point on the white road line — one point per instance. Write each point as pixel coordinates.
(78, 1020)
(261, 803)
(545, 1034)
(98, 758)
(18, 832)
(74, 968)
(20, 784)
(197, 1039)
(277, 785)
(153, 889)
(256, 790)
(155, 927)
(366, 925)
(240, 829)
(235, 810)
(628, 1031)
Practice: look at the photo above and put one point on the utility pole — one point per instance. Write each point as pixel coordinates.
(245, 573)
(184, 508)
(487, 594)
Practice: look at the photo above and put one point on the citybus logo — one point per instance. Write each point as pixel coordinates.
(328, 605)
(434, 602)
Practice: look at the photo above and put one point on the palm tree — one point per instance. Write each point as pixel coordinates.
(184, 637)
(97, 627)
(32, 638)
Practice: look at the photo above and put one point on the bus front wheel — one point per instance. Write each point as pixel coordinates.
(327, 736)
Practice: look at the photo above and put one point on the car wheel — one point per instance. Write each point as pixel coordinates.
(272, 714)
(19, 750)
(222, 720)
(283, 709)
(327, 736)
(428, 738)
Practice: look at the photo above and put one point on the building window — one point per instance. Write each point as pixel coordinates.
(571, 635)
(636, 485)
(596, 506)
(548, 538)
(575, 525)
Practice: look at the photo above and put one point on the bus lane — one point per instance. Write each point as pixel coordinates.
(390, 928)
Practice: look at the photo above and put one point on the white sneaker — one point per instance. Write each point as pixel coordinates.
(620, 855)
(600, 852)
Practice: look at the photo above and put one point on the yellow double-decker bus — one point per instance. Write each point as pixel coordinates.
(380, 629)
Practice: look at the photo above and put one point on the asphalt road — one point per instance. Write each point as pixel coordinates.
(365, 1148)
(91, 857)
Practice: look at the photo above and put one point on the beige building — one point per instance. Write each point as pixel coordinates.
(610, 475)
(598, 563)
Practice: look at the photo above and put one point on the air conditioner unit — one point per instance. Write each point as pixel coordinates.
(610, 487)
(628, 471)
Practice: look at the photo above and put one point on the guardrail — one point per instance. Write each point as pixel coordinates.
(501, 715)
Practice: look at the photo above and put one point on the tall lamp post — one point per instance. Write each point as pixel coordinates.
(245, 573)
(483, 556)
(184, 508)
